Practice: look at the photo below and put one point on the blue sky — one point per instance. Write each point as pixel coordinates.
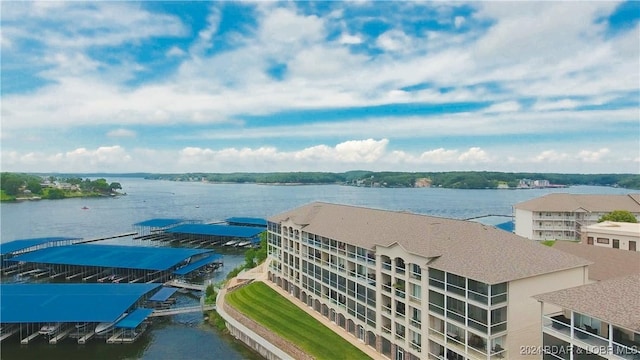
(320, 86)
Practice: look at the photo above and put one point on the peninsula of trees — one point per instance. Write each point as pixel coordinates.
(455, 179)
(15, 186)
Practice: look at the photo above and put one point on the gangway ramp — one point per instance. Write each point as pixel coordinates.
(182, 310)
(185, 285)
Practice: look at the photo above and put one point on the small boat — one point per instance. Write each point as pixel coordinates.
(105, 327)
(49, 329)
(85, 208)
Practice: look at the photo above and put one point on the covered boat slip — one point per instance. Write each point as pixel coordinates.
(247, 221)
(149, 228)
(214, 234)
(109, 263)
(163, 298)
(17, 247)
(199, 267)
(57, 311)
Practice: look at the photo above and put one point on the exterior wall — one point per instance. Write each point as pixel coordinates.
(524, 223)
(603, 238)
(524, 311)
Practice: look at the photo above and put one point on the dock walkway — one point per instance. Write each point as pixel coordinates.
(182, 310)
(185, 285)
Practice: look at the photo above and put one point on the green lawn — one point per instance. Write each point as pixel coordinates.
(267, 307)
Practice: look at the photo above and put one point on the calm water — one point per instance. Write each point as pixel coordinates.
(187, 336)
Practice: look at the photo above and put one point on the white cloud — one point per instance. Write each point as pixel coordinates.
(121, 133)
(367, 154)
(458, 21)
(593, 156)
(474, 155)
(176, 52)
(507, 106)
(350, 39)
(394, 40)
(555, 105)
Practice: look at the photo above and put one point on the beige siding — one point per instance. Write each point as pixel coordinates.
(524, 223)
(523, 314)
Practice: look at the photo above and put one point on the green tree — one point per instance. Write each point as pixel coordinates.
(115, 186)
(100, 185)
(54, 194)
(619, 216)
(249, 258)
(11, 186)
(34, 186)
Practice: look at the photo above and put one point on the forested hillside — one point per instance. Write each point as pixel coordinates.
(457, 180)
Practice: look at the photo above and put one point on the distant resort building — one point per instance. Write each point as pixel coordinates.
(418, 287)
(536, 184)
(562, 216)
(616, 235)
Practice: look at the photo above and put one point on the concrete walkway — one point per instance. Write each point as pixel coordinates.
(259, 273)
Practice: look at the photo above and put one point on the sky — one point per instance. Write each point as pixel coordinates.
(229, 86)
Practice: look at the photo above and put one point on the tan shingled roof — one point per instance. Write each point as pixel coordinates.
(591, 203)
(608, 263)
(466, 248)
(615, 301)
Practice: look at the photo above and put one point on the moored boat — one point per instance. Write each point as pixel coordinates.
(49, 329)
(105, 327)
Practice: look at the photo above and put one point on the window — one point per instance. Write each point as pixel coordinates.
(499, 319)
(602, 240)
(478, 318)
(590, 240)
(436, 302)
(456, 309)
(436, 278)
(415, 291)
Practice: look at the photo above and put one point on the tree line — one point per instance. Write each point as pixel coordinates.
(453, 179)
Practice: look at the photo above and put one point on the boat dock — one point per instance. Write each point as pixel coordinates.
(60, 336)
(9, 333)
(84, 339)
(29, 338)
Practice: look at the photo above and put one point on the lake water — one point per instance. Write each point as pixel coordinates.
(187, 336)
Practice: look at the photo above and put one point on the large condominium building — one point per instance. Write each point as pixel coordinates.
(616, 235)
(561, 216)
(418, 287)
(595, 321)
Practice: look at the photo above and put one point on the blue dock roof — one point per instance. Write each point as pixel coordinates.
(247, 221)
(40, 303)
(113, 256)
(135, 318)
(198, 264)
(22, 244)
(163, 294)
(159, 223)
(217, 230)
